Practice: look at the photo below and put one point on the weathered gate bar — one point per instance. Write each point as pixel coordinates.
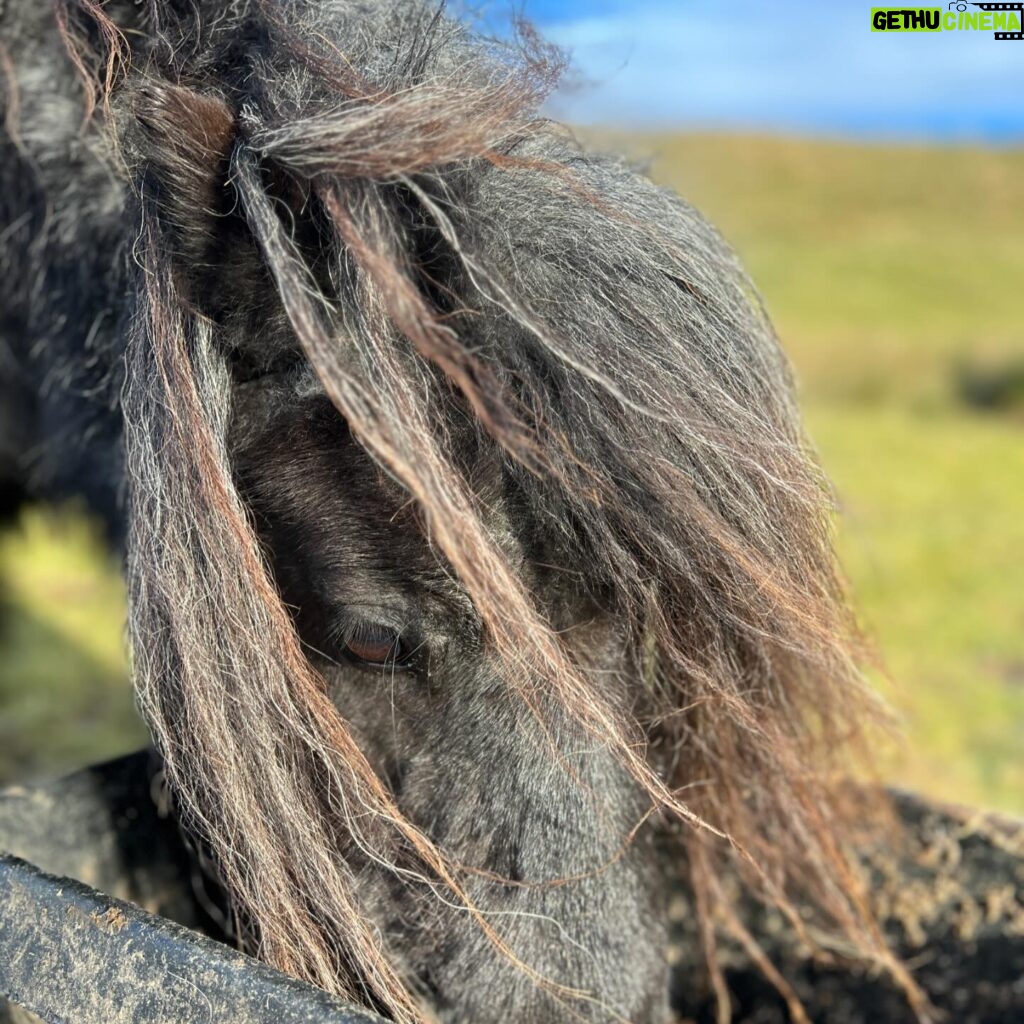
(70, 953)
(73, 954)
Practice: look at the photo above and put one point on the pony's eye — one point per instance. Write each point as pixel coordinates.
(374, 643)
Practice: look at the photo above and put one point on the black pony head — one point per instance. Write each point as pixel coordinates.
(481, 578)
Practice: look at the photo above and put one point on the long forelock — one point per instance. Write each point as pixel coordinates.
(475, 261)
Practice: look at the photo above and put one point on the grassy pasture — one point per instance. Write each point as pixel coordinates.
(893, 274)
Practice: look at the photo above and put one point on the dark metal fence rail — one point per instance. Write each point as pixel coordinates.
(73, 954)
(70, 954)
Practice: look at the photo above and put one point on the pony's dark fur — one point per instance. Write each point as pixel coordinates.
(353, 344)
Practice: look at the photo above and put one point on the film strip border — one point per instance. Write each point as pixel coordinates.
(1018, 7)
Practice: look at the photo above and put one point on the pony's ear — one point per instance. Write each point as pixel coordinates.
(186, 140)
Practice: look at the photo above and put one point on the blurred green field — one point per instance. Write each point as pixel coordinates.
(64, 693)
(892, 275)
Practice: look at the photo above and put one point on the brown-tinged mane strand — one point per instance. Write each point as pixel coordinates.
(608, 342)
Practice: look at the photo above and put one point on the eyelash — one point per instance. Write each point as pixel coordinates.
(376, 645)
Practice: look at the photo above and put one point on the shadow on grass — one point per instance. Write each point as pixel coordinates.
(995, 388)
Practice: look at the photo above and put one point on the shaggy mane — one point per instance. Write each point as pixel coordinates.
(444, 254)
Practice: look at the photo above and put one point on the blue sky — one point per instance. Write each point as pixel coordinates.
(804, 66)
